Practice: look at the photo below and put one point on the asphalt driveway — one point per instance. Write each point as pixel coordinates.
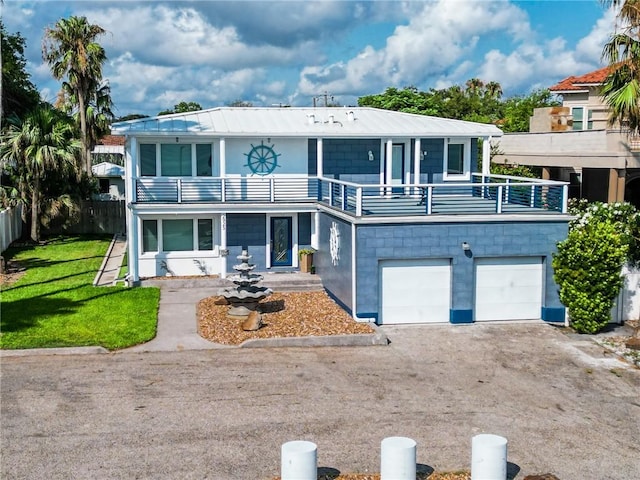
(564, 405)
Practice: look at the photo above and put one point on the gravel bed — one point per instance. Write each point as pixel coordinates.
(286, 314)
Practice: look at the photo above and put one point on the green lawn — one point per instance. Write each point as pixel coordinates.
(55, 305)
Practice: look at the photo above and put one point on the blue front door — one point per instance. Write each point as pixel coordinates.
(281, 251)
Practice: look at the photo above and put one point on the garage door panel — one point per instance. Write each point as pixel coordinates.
(508, 288)
(415, 291)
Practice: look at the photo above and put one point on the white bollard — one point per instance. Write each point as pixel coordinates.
(299, 461)
(398, 459)
(488, 457)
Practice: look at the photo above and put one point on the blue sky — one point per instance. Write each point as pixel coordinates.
(287, 52)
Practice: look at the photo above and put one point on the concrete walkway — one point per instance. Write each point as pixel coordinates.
(110, 268)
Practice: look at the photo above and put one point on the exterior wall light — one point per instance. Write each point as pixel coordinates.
(371, 158)
(465, 246)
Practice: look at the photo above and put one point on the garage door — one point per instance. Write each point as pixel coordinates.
(508, 288)
(415, 291)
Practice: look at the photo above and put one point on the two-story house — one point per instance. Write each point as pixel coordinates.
(574, 143)
(405, 227)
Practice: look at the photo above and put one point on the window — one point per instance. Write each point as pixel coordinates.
(176, 160)
(203, 160)
(104, 185)
(455, 159)
(578, 114)
(457, 156)
(177, 235)
(205, 234)
(149, 236)
(147, 160)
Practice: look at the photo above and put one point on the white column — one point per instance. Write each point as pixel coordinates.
(133, 239)
(299, 461)
(131, 174)
(398, 459)
(223, 245)
(319, 161)
(486, 156)
(416, 162)
(388, 159)
(315, 230)
(223, 157)
(488, 457)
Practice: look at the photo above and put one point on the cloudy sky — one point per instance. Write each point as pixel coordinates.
(288, 52)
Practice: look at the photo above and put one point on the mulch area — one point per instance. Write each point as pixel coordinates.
(287, 314)
(13, 272)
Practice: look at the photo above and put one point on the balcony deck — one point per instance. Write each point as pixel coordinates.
(483, 195)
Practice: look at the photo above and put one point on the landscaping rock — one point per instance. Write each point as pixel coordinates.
(253, 322)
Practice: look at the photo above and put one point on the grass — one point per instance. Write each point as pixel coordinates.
(55, 305)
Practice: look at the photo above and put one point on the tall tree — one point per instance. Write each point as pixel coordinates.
(73, 53)
(19, 94)
(621, 89)
(37, 146)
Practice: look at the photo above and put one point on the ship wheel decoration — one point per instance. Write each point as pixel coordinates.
(262, 159)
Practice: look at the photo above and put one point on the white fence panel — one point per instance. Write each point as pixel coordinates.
(10, 226)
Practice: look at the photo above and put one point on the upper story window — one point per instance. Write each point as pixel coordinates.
(457, 159)
(176, 159)
(582, 118)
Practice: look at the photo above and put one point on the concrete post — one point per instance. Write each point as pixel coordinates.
(398, 459)
(488, 457)
(299, 461)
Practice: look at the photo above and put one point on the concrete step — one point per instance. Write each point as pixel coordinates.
(278, 282)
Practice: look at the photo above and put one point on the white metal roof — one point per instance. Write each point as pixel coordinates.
(306, 122)
(107, 169)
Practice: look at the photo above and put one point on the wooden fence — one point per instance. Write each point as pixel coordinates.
(96, 217)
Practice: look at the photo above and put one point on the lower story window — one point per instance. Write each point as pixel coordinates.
(177, 235)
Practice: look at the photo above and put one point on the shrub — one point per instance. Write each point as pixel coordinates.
(587, 267)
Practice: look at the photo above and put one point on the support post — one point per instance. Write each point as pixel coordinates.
(488, 457)
(299, 461)
(398, 459)
(486, 156)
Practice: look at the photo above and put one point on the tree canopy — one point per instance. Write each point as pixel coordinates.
(476, 101)
(19, 94)
(182, 107)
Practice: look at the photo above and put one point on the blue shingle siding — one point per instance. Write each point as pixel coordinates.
(335, 278)
(312, 156)
(304, 229)
(381, 242)
(348, 160)
(247, 231)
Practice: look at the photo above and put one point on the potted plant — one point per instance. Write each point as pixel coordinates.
(306, 259)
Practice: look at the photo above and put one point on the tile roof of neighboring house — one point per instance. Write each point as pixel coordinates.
(112, 140)
(303, 122)
(572, 83)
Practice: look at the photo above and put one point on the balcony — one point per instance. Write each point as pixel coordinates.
(484, 195)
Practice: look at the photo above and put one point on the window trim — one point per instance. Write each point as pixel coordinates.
(587, 118)
(195, 240)
(194, 158)
(466, 159)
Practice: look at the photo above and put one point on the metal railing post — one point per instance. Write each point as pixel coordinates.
(179, 189)
(565, 198)
(499, 200)
(359, 202)
(343, 194)
(429, 201)
(272, 187)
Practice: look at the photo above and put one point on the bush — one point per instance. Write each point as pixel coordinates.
(587, 267)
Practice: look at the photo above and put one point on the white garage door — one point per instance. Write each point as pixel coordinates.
(508, 288)
(415, 291)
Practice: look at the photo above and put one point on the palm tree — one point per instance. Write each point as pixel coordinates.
(621, 89)
(493, 90)
(71, 50)
(39, 145)
(474, 86)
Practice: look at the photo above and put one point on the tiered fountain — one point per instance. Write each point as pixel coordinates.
(244, 298)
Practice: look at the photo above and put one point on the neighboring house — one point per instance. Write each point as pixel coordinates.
(108, 160)
(406, 230)
(111, 181)
(574, 143)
